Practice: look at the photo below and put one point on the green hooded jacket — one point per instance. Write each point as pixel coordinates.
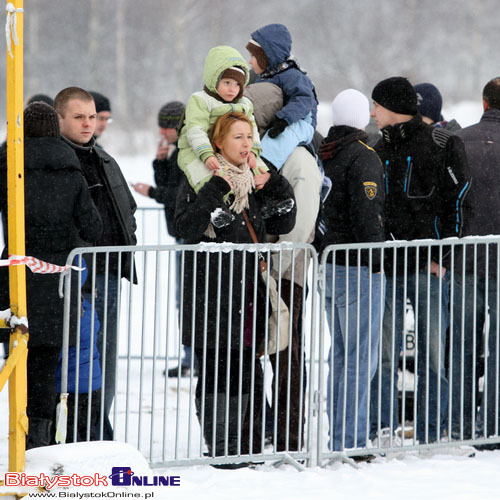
(202, 111)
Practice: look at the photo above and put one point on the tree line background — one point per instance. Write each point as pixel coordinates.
(143, 54)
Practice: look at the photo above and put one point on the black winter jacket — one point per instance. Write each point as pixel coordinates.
(58, 213)
(482, 144)
(192, 217)
(168, 177)
(427, 181)
(354, 209)
(113, 199)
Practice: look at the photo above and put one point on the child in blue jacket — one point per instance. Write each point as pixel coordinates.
(88, 359)
(295, 123)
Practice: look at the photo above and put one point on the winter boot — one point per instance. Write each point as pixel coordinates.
(233, 438)
(41, 433)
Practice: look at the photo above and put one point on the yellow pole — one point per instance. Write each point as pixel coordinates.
(18, 421)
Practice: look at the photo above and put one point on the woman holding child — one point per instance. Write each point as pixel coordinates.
(224, 297)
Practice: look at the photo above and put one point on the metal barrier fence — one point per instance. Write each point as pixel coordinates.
(383, 398)
(151, 226)
(370, 394)
(222, 305)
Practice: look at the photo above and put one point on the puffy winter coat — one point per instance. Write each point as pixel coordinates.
(193, 214)
(299, 93)
(203, 108)
(58, 212)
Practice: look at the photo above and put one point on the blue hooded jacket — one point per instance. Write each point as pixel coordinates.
(298, 89)
(85, 351)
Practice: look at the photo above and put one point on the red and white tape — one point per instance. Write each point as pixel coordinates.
(37, 265)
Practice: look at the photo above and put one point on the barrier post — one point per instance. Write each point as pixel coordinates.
(18, 421)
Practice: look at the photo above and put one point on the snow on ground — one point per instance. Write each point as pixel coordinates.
(440, 477)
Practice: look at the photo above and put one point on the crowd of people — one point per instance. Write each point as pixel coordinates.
(241, 163)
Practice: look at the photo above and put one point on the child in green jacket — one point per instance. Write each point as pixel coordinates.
(225, 75)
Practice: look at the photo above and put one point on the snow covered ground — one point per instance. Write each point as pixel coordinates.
(438, 476)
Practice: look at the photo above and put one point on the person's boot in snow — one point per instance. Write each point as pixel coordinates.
(41, 433)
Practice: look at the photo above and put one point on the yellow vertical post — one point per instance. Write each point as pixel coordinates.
(18, 422)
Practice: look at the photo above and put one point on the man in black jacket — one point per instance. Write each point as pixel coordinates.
(426, 181)
(116, 205)
(168, 177)
(476, 290)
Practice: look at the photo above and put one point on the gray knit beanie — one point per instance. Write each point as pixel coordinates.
(170, 114)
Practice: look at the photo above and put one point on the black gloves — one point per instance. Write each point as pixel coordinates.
(277, 208)
(221, 217)
(276, 127)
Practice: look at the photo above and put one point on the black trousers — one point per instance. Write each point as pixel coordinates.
(85, 412)
(215, 376)
(221, 407)
(42, 395)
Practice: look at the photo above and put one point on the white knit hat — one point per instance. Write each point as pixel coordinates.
(350, 107)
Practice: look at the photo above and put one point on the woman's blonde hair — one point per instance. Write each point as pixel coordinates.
(221, 127)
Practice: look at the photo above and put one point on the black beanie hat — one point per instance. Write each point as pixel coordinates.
(396, 94)
(101, 102)
(170, 114)
(429, 101)
(40, 120)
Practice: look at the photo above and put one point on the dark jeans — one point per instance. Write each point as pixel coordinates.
(431, 323)
(473, 303)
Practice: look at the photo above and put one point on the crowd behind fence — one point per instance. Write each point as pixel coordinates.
(344, 385)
